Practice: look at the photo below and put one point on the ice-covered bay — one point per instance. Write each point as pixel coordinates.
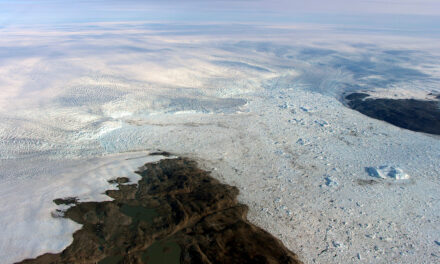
(262, 115)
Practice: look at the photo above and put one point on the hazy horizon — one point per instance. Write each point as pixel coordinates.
(409, 15)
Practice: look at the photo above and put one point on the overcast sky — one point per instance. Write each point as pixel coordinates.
(328, 11)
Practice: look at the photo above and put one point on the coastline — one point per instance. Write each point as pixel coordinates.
(281, 177)
(175, 213)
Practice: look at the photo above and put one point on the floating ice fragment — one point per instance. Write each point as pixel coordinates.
(279, 152)
(387, 171)
(322, 123)
(302, 142)
(397, 174)
(337, 244)
(297, 121)
(330, 181)
(283, 106)
(305, 109)
(374, 172)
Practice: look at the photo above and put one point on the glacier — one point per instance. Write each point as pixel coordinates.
(263, 113)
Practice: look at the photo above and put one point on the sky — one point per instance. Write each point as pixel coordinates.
(387, 12)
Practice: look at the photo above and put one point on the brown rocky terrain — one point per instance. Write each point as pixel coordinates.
(177, 213)
(412, 114)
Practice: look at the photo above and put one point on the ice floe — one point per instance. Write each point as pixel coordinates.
(386, 171)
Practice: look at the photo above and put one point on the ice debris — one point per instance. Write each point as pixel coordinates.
(283, 106)
(337, 244)
(322, 123)
(386, 171)
(330, 181)
(302, 142)
(304, 108)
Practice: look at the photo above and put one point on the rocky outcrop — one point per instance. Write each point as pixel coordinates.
(412, 114)
(177, 213)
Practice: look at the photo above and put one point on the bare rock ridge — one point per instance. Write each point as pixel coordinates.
(177, 213)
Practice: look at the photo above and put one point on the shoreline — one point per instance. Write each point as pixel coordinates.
(176, 213)
(291, 198)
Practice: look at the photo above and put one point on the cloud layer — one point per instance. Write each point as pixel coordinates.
(386, 12)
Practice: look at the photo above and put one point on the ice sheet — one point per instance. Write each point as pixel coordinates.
(266, 119)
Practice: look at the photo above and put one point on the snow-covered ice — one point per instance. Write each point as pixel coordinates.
(27, 209)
